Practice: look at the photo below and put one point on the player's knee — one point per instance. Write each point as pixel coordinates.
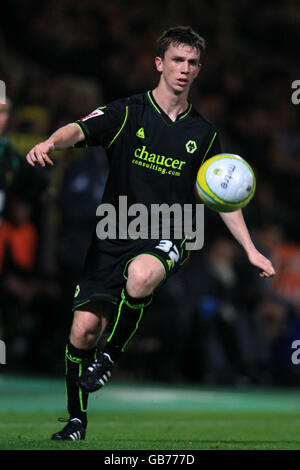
(83, 335)
(140, 280)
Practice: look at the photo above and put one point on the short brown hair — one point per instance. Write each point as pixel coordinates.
(180, 35)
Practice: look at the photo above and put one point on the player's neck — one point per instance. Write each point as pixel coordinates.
(172, 104)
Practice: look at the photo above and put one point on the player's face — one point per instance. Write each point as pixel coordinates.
(179, 67)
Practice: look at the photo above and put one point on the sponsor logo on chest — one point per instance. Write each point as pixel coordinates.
(169, 162)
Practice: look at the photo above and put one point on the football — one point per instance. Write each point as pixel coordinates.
(225, 182)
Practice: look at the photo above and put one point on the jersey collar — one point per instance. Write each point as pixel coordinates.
(162, 114)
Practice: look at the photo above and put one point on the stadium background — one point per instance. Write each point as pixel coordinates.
(216, 323)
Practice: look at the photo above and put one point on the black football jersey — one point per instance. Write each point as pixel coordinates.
(152, 159)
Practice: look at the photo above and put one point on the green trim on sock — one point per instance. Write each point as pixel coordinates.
(77, 360)
(136, 327)
(134, 307)
(80, 391)
(116, 322)
(80, 362)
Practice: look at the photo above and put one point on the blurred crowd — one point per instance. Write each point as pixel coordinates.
(216, 322)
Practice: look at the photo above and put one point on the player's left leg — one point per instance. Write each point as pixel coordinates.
(88, 324)
(144, 274)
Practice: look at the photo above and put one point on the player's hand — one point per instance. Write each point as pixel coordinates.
(39, 154)
(260, 261)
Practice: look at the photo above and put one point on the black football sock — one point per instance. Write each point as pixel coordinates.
(77, 398)
(129, 315)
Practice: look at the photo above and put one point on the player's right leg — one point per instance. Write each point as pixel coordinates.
(88, 325)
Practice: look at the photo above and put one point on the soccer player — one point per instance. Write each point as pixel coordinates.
(155, 142)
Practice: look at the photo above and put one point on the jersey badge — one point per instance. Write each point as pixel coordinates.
(141, 133)
(191, 146)
(95, 113)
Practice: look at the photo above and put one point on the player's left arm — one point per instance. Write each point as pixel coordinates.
(236, 224)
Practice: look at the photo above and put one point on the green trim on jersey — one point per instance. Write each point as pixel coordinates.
(81, 133)
(120, 130)
(208, 148)
(152, 102)
(161, 114)
(188, 111)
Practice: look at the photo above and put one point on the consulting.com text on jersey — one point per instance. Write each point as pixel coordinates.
(149, 459)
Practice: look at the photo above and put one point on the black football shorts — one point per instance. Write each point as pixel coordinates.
(105, 270)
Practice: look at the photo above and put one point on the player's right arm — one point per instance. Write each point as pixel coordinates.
(64, 137)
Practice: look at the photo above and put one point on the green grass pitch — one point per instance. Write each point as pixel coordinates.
(151, 417)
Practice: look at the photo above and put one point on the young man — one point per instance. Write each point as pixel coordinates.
(147, 139)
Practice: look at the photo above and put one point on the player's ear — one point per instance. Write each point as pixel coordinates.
(199, 68)
(158, 63)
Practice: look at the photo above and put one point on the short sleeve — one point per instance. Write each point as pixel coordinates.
(102, 125)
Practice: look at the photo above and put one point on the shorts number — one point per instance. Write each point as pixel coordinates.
(168, 247)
